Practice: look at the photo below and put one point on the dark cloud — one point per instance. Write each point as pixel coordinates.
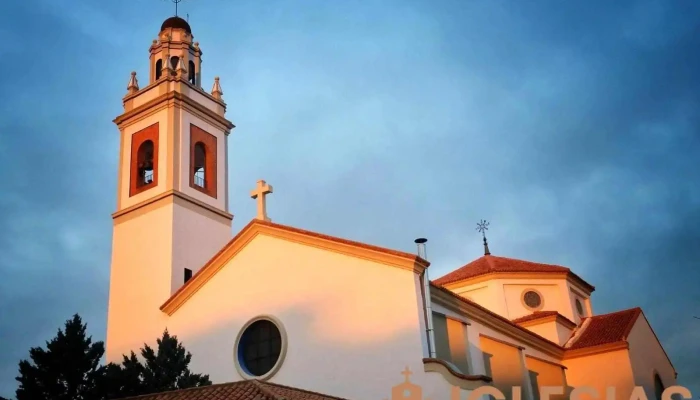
(572, 127)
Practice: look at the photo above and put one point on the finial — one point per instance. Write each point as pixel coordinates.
(482, 226)
(133, 85)
(216, 89)
(176, 3)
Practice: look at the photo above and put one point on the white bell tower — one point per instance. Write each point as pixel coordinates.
(172, 196)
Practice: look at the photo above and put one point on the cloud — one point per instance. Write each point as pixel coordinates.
(571, 127)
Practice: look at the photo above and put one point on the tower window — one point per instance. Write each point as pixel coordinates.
(159, 69)
(145, 163)
(192, 77)
(188, 274)
(173, 62)
(203, 161)
(144, 160)
(200, 158)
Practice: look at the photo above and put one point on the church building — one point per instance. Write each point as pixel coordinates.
(281, 312)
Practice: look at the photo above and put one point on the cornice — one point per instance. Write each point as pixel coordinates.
(178, 98)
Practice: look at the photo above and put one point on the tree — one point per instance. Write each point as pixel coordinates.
(68, 369)
(164, 369)
(168, 368)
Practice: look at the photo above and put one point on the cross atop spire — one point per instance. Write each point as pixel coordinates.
(259, 193)
(482, 226)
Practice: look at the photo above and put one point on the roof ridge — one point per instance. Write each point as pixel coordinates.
(301, 390)
(265, 390)
(636, 309)
(576, 333)
(190, 389)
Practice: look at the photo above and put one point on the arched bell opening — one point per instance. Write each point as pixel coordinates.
(145, 164)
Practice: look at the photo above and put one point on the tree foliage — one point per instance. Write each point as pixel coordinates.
(163, 369)
(69, 369)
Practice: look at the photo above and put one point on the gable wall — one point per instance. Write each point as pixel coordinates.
(344, 317)
(601, 371)
(647, 357)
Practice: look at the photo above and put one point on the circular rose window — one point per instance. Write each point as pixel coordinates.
(260, 348)
(532, 299)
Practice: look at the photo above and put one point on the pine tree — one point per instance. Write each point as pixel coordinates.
(164, 369)
(68, 369)
(168, 368)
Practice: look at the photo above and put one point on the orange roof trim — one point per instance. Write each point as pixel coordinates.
(538, 315)
(357, 249)
(494, 264)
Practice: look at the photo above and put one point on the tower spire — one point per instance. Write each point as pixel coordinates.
(482, 226)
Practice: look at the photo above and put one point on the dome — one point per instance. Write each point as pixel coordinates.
(176, 23)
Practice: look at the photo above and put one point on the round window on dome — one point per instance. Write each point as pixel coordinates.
(532, 299)
(260, 348)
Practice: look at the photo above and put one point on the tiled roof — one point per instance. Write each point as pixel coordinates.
(604, 329)
(492, 264)
(543, 314)
(242, 390)
(535, 315)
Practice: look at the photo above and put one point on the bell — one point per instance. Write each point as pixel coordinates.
(146, 166)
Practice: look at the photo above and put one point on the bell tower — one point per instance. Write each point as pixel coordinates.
(172, 195)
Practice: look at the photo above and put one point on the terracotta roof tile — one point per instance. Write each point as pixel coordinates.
(535, 315)
(492, 264)
(543, 314)
(242, 390)
(605, 329)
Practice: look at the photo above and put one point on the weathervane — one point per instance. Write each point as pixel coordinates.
(482, 226)
(176, 3)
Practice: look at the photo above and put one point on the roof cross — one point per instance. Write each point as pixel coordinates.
(259, 193)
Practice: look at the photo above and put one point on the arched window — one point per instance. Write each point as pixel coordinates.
(145, 164)
(143, 168)
(200, 162)
(192, 77)
(658, 386)
(203, 161)
(159, 69)
(173, 62)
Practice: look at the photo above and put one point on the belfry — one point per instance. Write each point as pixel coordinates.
(172, 197)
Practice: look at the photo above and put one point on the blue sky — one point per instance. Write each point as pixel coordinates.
(573, 127)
